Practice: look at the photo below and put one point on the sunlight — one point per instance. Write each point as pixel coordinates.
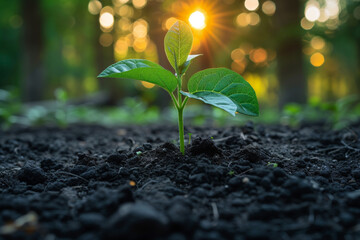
(197, 20)
(208, 19)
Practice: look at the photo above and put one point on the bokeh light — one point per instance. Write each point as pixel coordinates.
(317, 59)
(323, 16)
(169, 22)
(121, 48)
(106, 39)
(106, 20)
(139, 3)
(253, 19)
(140, 44)
(238, 54)
(124, 24)
(312, 12)
(251, 5)
(140, 28)
(317, 43)
(258, 55)
(332, 8)
(333, 24)
(305, 24)
(238, 66)
(241, 20)
(130, 39)
(107, 9)
(269, 8)
(125, 11)
(94, 7)
(197, 20)
(245, 19)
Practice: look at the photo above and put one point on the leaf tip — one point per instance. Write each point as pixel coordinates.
(102, 75)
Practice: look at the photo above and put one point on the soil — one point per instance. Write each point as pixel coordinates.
(249, 182)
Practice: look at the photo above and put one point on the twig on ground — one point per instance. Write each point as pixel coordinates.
(350, 147)
(215, 211)
(240, 174)
(74, 175)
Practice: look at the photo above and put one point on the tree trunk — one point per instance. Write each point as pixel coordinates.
(357, 72)
(33, 43)
(292, 80)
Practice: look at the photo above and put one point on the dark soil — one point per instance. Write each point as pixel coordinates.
(93, 182)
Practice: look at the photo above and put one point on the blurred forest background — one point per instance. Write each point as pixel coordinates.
(301, 56)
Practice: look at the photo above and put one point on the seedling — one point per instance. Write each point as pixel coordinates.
(219, 87)
(272, 164)
(61, 112)
(189, 137)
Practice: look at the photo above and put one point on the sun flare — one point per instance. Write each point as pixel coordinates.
(208, 19)
(197, 20)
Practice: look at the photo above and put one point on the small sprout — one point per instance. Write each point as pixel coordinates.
(61, 95)
(61, 112)
(232, 172)
(189, 137)
(224, 88)
(138, 153)
(272, 164)
(132, 183)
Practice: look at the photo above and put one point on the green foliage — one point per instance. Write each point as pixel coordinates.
(219, 87)
(178, 43)
(187, 63)
(144, 70)
(61, 113)
(224, 89)
(338, 114)
(61, 95)
(9, 107)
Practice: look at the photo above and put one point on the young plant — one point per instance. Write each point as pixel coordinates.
(219, 87)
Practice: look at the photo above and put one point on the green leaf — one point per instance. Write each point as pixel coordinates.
(178, 42)
(187, 63)
(224, 89)
(144, 70)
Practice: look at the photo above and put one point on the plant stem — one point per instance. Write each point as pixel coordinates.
(174, 101)
(181, 130)
(180, 105)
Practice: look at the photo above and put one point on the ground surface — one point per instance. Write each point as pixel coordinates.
(92, 182)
